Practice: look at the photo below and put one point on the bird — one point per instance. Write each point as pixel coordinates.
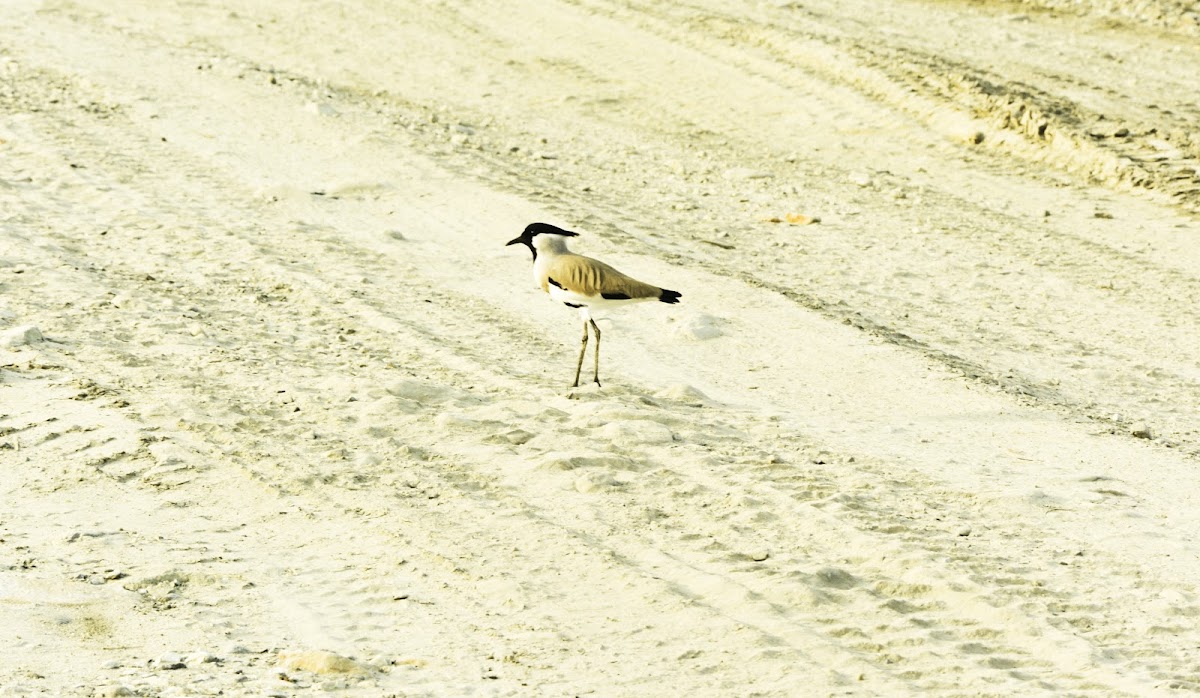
(582, 283)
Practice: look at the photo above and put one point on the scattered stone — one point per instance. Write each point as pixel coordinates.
(319, 662)
(759, 555)
(198, 658)
(113, 691)
(1142, 430)
(161, 587)
(861, 179)
(235, 648)
(396, 235)
(168, 661)
(964, 531)
(21, 336)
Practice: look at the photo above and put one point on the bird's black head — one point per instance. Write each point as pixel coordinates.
(533, 230)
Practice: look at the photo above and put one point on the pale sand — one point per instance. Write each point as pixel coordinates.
(294, 421)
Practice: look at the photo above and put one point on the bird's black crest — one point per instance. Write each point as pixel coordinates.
(547, 229)
(533, 229)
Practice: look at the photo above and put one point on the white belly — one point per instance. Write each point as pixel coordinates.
(562, 295)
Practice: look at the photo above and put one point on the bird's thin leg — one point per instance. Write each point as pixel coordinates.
(582, 351)
(596, 329)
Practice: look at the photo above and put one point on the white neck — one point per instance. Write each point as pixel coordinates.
(546, 244)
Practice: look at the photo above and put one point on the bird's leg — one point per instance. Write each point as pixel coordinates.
(582, 351)
(596, 329)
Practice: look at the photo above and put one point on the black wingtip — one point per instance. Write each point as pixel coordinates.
(669, 296)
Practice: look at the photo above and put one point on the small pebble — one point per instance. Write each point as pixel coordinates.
(759, 555)
(964, 531)
(113, 691)
(168, 661)
(197, 658)
(1142, 431)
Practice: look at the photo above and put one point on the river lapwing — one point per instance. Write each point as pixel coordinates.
(582, 282)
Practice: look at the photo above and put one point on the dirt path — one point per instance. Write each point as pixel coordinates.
(294, 395)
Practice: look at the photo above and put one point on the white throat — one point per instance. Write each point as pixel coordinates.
(550, 245)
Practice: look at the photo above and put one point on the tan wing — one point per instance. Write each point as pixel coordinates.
(590, 277)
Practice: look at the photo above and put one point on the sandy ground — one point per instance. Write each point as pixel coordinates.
(280, 415)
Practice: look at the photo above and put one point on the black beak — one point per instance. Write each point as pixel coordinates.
(524, 239)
